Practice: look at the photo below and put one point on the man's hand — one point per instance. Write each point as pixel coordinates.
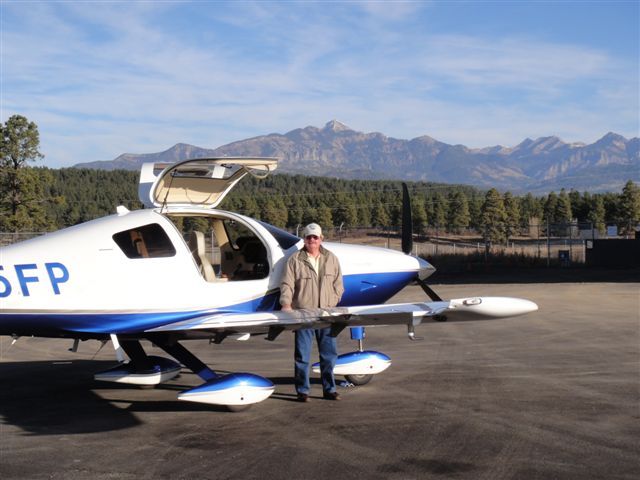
(286, 308)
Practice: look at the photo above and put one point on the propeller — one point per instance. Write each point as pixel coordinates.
(407, 222)
(407, 239)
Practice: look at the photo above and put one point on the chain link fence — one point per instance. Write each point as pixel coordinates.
(562, 243)
(554, 243)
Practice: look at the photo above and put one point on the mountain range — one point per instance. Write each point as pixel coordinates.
(537, 166)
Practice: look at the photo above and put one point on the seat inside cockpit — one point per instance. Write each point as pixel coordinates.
(223, 249)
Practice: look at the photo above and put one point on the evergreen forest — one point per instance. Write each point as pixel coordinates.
(60, 198)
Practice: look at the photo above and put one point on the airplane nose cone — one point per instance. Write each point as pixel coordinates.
(425, 268)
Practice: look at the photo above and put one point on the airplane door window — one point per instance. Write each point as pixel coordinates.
(248, 256)
(147, 241)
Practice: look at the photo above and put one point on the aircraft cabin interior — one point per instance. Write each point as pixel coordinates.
(223, 249)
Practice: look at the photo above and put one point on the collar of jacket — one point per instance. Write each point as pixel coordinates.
(323, 254)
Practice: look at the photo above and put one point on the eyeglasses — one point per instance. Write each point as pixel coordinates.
(311, 237)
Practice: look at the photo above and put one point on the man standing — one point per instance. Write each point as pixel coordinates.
(312, 279)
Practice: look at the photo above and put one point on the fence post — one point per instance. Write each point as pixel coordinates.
(548, 246)
(570, 241)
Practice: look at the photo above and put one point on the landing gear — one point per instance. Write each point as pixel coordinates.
(359, 380)
(239, 408)
(236, 391)
(159, 370)
(359, 367)
(143, 369)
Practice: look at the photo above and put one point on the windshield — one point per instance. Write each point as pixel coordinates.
(285, 239)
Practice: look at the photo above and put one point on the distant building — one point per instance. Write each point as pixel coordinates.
(614, 252)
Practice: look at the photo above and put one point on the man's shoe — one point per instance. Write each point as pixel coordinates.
(331, 396)
(303, 397)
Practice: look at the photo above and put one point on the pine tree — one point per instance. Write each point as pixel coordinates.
(439, 211)
(550, 208)
(379, 216)
(458, 216)
(310, 215)
(529, 208)
(274, 213)
(563, 212)
(475, 212)
(418, 214)
(250, 206)
(345, 212)
(596, 214)
(493, 217)
(630, 206)
(364, 215)
(21, 189)
(512, 219)
(579, 207)
(325, 218)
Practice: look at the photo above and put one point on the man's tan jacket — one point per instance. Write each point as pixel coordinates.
(300, 287)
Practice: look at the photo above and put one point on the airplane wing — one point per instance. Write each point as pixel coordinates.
(473, 308)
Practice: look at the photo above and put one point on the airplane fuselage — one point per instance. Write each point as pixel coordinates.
(81, 281)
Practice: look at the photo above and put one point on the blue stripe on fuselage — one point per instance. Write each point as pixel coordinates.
(373, 288)
(364, 289)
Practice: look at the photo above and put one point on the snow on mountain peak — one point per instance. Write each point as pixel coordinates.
(336, 126)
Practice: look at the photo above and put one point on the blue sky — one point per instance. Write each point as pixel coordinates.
(105, 78)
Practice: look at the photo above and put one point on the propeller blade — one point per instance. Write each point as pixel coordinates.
(429, 291)
(407, 240)
(407, 222)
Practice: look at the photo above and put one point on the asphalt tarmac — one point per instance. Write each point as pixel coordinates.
(552, 395)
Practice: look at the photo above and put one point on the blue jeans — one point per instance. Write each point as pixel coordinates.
(328, 350)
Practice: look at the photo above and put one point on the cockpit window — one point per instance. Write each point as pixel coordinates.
(284, 239)
(223, 249)
(148, 241)
(238, 233)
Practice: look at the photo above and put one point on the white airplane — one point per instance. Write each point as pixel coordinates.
(181, 269)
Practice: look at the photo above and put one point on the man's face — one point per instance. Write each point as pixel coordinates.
(312, 243)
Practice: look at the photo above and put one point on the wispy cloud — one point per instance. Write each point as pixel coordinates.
(104, 78)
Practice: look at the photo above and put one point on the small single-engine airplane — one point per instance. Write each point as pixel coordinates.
(182, 269)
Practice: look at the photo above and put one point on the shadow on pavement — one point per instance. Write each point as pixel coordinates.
(52, 398)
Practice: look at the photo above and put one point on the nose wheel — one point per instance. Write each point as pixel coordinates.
(238, 408)
(360, 366)
(361, 379)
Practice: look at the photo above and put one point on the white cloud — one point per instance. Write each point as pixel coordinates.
(102, 79)
(392, 11)
(513, 61)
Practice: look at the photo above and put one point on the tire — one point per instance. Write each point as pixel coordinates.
(239, 408)
(359, 379)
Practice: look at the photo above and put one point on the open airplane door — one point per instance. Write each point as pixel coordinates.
(200, 182)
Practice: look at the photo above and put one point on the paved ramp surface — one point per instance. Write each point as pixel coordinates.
(553, 395)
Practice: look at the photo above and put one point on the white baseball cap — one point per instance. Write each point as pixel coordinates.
(312, 229)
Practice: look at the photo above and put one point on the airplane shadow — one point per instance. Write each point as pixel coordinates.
(54, 398)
